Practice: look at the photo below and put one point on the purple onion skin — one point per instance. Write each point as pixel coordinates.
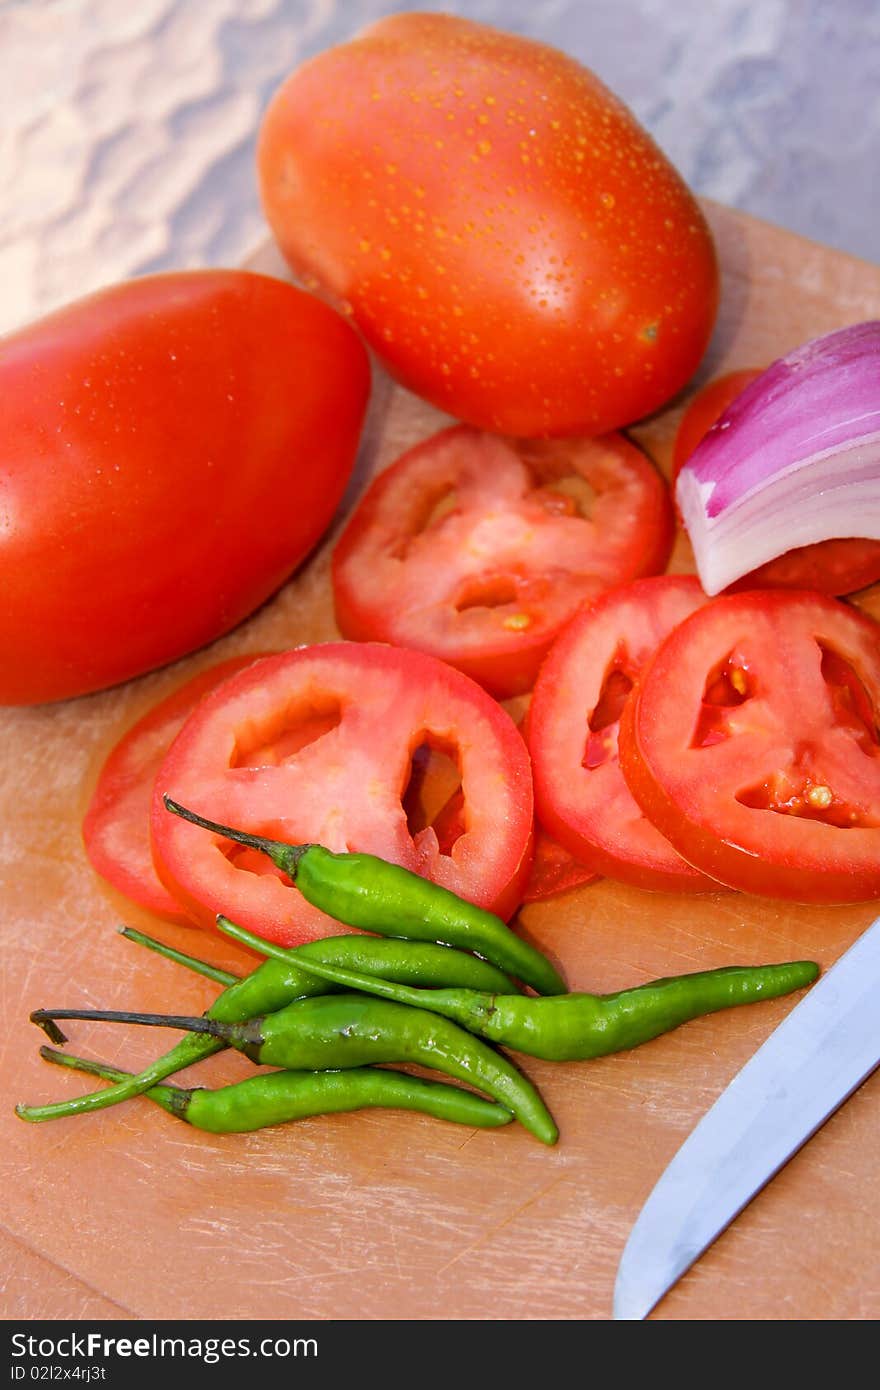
(820, 397)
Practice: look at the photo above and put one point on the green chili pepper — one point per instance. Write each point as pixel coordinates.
(575, 1027)
(273, 984)
(280, 1096)
(427, 964)
(335, 1032)
(364, 891)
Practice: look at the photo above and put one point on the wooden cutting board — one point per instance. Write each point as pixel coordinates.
(130, 1214)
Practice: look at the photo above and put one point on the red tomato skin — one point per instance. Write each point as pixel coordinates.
(839, 566)
(172, 448)
(843, 867)
(116, 825)
(598, 821)
(490, 865)
(630, 533)
(511, 243)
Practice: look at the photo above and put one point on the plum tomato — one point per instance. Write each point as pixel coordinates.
(753, 743)
(581, 797)
(172, 448)
(116, 826)
(511, 243)
(319, 745)
(831, 567)
(479, 549)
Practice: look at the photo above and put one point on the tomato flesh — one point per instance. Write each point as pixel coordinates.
(116, 826)
(581, 797)
(316, 745)
(554, 870)
(754, 745)
(838, 566)
(479, 550)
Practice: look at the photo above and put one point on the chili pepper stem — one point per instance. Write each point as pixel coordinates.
(49, 1027)
(191, 1049)
(249, 938)
(67, 1059)
(285, 857)
(200, 967)
(174, 1099)
(45, 1019)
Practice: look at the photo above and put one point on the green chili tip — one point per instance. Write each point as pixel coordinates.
(175, 1099)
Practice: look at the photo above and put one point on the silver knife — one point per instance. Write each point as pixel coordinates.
(826, 1047)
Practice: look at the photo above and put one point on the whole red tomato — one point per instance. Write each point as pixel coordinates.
(171, 449)
(509, 240)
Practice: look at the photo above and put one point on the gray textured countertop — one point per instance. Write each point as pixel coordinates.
(128, 129)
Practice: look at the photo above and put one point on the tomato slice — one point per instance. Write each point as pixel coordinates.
(554, 870)
(839, 566)
(583, 687)
(478, 549)
(754, 745)
(116, 826)
(318, 745)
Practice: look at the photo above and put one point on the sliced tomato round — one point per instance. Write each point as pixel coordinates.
(319, 745)
(581, 797)
(840, 566)
(753, 743)
(554, 870)
(116, 825)
(479, 549)
(835, 567)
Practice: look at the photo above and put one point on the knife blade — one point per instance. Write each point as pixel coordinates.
(826, 1047)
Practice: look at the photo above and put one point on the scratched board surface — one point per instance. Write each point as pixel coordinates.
(128, 1213)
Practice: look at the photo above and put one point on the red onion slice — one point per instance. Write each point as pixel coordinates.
(793, 460)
